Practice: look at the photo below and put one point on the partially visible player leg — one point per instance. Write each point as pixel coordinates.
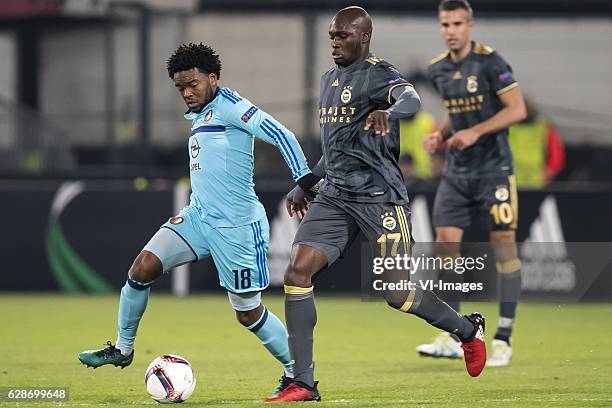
(300, 307)
(509, 289)
(501, 202)
(448, 243)
(389, 228)
(446, 345)
(322, 236)
(166, 249)
(132, 304)
(134, 297)
(451, 215)
(268, 328)
(301, 317)
(240, 255)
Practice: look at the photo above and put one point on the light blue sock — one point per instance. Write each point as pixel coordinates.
(269, 329)
(132, 304)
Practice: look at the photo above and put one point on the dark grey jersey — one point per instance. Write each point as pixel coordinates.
(471, 89)
(360, 165)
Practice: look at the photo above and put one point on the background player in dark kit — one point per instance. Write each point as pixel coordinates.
(361, 100)
(483, 99)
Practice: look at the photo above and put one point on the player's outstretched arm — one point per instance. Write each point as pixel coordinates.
(263, 126)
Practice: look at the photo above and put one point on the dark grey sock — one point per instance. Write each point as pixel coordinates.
(301, 318)
(452, 298)
(509, 289)
(436, 312)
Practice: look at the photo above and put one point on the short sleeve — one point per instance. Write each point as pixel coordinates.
(431, 75)
(500, 74)
(383, 79)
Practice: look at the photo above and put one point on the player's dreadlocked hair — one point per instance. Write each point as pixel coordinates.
(450, 5)
(191, 55)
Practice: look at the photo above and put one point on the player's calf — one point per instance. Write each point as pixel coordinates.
(256, 318)
(399, 300)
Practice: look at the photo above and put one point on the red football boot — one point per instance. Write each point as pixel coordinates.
(475, 350)
(296, 392)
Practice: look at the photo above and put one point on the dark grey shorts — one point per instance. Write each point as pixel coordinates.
(458, 199)
(331, 225)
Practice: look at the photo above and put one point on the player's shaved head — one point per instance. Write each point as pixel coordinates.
(350, 31)
(354, 16)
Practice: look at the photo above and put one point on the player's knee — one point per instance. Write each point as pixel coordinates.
(397, 299)
(504, 245)
(146, 267)
(503, 236)
(445, 246)
(298, 274)
(450, 235)
(247, 318)
(248, 306)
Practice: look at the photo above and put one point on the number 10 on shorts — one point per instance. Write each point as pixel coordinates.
(502, 213)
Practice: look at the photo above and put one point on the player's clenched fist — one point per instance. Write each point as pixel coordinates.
(379, 120)
(297, 202)
(463, 139)
(432, 141)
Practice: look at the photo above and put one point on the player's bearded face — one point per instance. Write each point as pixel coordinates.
(455, 26)
(196, 88)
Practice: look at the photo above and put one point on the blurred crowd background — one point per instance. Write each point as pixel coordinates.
(84, 91)
(93, 143)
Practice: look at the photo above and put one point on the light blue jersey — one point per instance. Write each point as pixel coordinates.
(221, 158)
(224, 218)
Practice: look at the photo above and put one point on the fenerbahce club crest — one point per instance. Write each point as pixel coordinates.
(345, 96)
(472, 83)
(502, 193)
(388, 221)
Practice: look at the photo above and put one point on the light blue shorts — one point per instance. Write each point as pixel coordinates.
(239, 253)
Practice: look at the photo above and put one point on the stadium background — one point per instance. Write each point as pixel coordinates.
(85, 97)
(92, 139)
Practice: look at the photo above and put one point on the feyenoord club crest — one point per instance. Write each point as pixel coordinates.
(176, 220)
(208, 116)
(472, 83)
(345, 96)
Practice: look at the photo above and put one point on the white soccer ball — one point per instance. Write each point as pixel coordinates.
(170, 378)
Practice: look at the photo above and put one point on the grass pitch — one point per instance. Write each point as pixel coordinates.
(364, 352)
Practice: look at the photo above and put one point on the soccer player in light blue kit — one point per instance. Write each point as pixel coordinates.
(224, 218)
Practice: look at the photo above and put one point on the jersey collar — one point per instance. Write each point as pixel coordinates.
(189, 115)
(354, 64)
(469, 54)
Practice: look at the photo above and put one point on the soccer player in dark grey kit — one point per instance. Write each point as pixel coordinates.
(361, 100)
(483, 99)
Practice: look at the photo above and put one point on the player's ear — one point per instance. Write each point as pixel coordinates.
(212, 78)
(365, 37)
